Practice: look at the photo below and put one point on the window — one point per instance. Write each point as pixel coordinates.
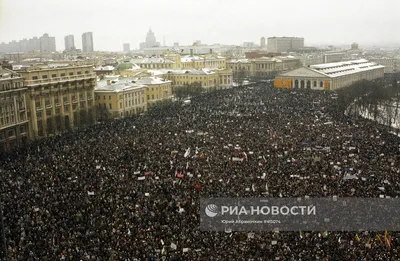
(120, 105)
(63, 74)
(79, 73)
(71, 73)
(44, 76)
(86, 72)
(315, 83)
(34, 77)
(321, 84)
(109, 97)
(54, 75)
(10, 133)
(48, 112)
(110, 106)
(1, 135)
(38, 114)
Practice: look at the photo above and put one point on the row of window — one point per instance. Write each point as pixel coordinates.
(10, 85)
(11, 132)
(45, 76)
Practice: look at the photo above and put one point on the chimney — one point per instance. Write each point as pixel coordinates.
(191, 52)
(210, 51)
(108, 82)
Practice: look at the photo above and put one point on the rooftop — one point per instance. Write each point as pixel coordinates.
(7, 74)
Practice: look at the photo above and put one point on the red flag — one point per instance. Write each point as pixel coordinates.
(197, 186)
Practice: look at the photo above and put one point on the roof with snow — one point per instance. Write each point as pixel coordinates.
(333, 70)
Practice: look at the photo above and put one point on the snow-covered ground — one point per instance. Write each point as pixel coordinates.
(382, 116)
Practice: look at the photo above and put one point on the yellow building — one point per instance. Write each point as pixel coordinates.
(157, 90)
(208, 79)
(175, 61)
(330, 76)
(120, 98)
(154, 63)
(14, 126)
(263, 67)
(59, 97)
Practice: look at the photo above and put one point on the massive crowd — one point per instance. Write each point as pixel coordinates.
(114, 191)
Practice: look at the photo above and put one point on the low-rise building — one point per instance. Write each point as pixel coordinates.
(330, 76)
(263, 67)
(209, 79)
(120, 98)
(59, 97)
(14, 127)
(157, 90)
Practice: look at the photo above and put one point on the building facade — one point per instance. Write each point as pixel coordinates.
(127, 47)
(208, 79)
(87, 42)
(392, 65)
(262, 43)
(263, 67)
(330, 76)
(120, 99)
(59, 97)
(47, 44)
(69, 42)
(14, 127)
(157, 90)
(284, 44)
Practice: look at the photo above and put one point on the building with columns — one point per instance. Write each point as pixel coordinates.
(59, 97)
(14, 127)
(264, 67)
(330, 76)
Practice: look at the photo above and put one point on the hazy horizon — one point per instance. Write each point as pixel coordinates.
(114, 23)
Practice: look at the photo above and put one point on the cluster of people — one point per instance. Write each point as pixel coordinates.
(130, 189)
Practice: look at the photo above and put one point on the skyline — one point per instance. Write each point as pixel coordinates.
(218, 21)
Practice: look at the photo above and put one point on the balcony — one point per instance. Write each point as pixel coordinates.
(58, 105)
(89, 76)
(75, 101)
(39, 108)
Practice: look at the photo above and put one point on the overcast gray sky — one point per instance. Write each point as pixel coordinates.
(115, 22)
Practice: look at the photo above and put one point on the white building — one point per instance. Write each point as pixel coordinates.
(47, 44)
(87, 42)
(330, 76)
(284, 44)
(392, 65)
(69, 42)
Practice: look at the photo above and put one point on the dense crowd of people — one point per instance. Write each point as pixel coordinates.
(129, 189)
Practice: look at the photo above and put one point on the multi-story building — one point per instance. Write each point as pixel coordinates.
(284, 44)
(206, 78)
(47, 44)
(87, 42)
(330, 76)
(262, 43)
(157, 89)
(154, 63)
(392, 65)
(333, 57)
(263, 67)
(127, 47)
(69, 42)
(120, 98)
(59, 97)
(150, 41)
(14, 128)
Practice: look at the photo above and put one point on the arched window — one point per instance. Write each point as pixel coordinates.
(315, 83)
(296, 83)
(302, 84)
(308, 84)
(321, 84)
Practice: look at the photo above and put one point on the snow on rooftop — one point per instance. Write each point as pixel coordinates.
(345, 68)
